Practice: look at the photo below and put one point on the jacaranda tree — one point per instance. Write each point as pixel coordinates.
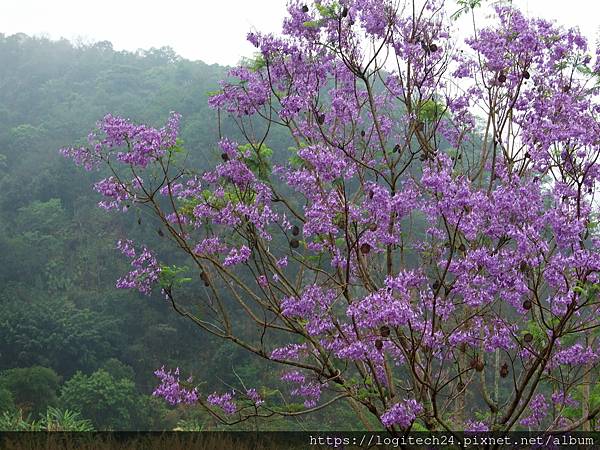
(426, 249)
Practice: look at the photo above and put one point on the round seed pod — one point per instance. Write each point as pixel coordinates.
(384, 331)
(504, 370)
(462, 247)
(345, 12)
(363, 133)
(523, 267)
(160, 232)
(224, 156)
(321, 119)
(373, 227)
(527, 155)
(527, 305)
(378, 344)
(396, 148)
(528, 338)
(294, 243)
(304, 8)
(365, 248)
(501, 77)
(295, 230)
(204, 277)
(477, 364)
(433, 48)
(526, 75)
(423, 157)
(436, 285)
(371, 194)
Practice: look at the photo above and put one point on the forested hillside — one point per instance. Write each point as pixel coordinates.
(69, 340)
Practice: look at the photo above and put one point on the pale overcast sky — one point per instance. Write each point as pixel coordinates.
(210, 30)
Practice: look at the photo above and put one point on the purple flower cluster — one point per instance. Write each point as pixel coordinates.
(171, 390)
(237, 256)
(308, 389)
(115, 191)
(254, 396)
(224, 401)
(402, 414)
(538, 410)
(144, 144)
(311, 306)
(146, 269)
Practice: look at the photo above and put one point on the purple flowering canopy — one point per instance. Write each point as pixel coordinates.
(427, 249)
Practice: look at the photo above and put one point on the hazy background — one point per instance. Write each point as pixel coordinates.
(214, 32)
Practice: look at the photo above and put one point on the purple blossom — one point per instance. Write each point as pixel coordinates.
(538, 409)
(307, 389)
(210, 246)
(476, 427)
(224, 401)
(146, 269)
(115, 191)
(402, 413)
(171, 389)
(254, 396)
(237, 256)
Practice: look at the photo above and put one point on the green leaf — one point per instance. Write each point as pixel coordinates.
(430, 110)
(172, 276)
(312, 24)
